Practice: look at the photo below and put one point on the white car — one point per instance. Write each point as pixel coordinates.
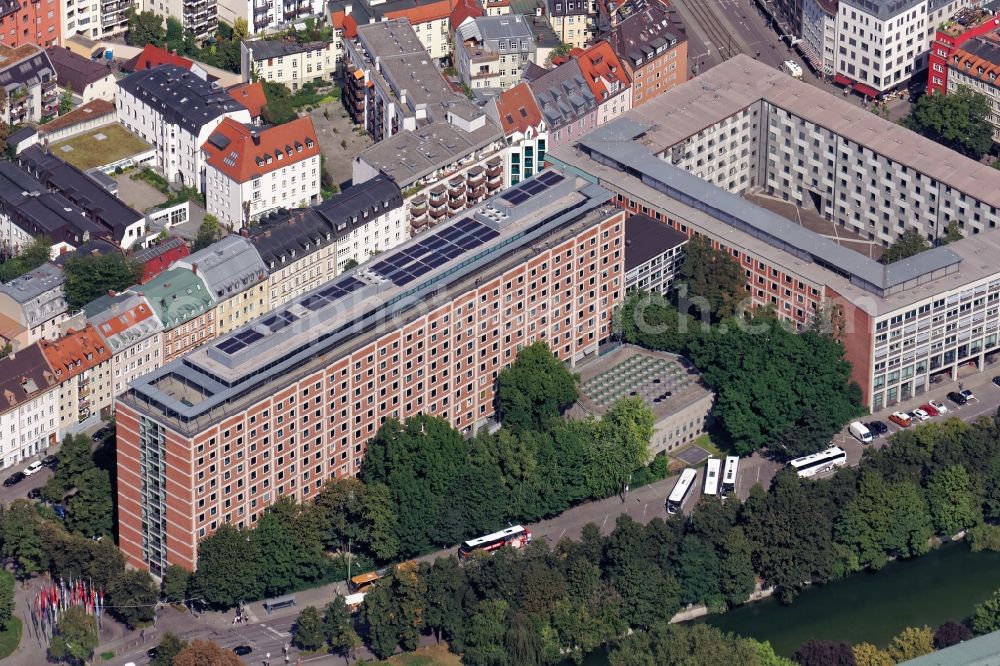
(939, 406)
(921, 414)
(32, 468)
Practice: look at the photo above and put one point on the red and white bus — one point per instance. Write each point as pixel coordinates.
(515, 537)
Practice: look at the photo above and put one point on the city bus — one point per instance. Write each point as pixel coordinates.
(362, 582)
(680, 491)
(816, 463)
(712, 471)
(729, 475)
(515, 537)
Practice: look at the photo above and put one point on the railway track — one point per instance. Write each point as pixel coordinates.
(723, 39)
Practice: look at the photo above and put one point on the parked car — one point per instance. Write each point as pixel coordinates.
(878, 428)
(939, 406)
(930, 409)
(920, 415)
(969, 395)
(60, 511)
(957, 398)
(14, 479)
(242, 650)
(35, 493)
(902, 419)
(50, 461)
(33, 468)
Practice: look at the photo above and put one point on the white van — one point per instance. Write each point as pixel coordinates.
(792, 68)
(861, 433)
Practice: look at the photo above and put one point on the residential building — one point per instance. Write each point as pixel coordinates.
(185, 307)
(33, 306)
(132, 334)
(250, 95)
(967, 24)
(23, 23)
(236, 278)
(881, 44)
(525, 132)
(329, 358)
(120, 223)
(651, 44)
(574, 21)
(306, 248)
(152, 57)
(904, 325)
(93, 19)
(288, 62)
(81, 364)
(607, 79)
(819, 35)
(86, 79)
(200, 17)
(491, 52)
(976, 65)
(175, 111)
(496, 7)
(431, 20)
(251, 170)
(653, 254)
(28, 210)
(565, 101)
(160, 256)
(29, 81)
(533, 11)
(268, 16)
(442, 168)
(82, 119)
(29, 400)
(464, 11)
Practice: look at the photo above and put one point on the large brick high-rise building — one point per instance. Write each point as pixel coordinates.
(283, 404)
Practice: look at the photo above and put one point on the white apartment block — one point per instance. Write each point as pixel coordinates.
(175, 111)
(133, 334)
(250, 171)
(29, 403)
(492, 52)
(819, 34)
(269, 15)
(289, 63)
(95, 19)
(199, 16)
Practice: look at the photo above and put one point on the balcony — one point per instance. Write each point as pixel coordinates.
(418, 206)
(475, 176)
(456, 186)
(437, 195)
(262, 9)
(456, 204)
(437, 213)
(477, 193)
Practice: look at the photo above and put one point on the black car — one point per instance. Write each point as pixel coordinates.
(996, 380)
(957, 398)
(50, 461)
(14, 479)
(152, 652)
(242, 650)
(35, 493)
(877, 428)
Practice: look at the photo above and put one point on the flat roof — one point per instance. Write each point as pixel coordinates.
(646, 238)
(277, 48)
(310, 332)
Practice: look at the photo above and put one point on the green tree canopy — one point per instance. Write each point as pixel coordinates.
(144, 28)
(89, 512)
(959, 120)
(986, 616)
(952, 499)
(209, 232)
(174, 586)
(534, 389)
(6, 598)
(91, 276)
(33, 255)
(170, 646)
(132, 598)
(909, 243)
(75, 637)
(338, 628)
(308, 630)
(229, 569)
(710, 280)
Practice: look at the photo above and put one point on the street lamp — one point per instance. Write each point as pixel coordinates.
(697, 59)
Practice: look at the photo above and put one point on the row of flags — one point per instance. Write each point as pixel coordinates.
(54, 598)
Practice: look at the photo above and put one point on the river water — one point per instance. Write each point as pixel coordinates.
(943, 585)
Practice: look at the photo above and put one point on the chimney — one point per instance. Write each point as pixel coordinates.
(112, 293)
(256, 138)
(194, 267)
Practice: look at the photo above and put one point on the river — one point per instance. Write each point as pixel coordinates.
(942, 585)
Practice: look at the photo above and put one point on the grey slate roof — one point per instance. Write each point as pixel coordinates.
(650, 26)
(567, 7)
(181, 97)
(278, 48)
(563, 95)
(227, 266)
(39, 293)
(75, 71)
(24, 376)
(492, 29)
(29, 71)
(646, 238)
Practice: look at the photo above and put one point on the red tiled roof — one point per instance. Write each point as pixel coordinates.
(350, 27)
(125, 320)
(248, 152)
(154, 56)
(596, 63)
(250, 95)
(517, 109)
(75, 353)
(432, 11)
(464, 9)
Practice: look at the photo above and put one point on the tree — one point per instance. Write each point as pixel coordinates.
(523, 643)
(201, 652)
(170, 646)
(229, 569)
(648, 320)
(380, 522)
(710, 280)
(279, 108)
(446, 588)
(33, 255)
(697, 568)
(909, 243)
(986, 616)
(175, 583)
(175, 34)
(954, 505)
(951, 633)
(484, 638)
(338, 628)
(351, 263)
(952, 233)
(308, 630)
(66, 100)
(6, 598)
(132, 598)
(379, 613)
(288, 538)
(534, 389)
(683, 645)
(89, 512)
(959, 120)
(824, 653)
(209, 232)
(620, 447)
(21, 538)
(911, 643)
(144, 28)
(75, 636)
(866, 654)
(91, 276)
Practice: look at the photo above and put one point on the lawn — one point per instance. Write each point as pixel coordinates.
(89, 150)
(11, 637)
(435, 655)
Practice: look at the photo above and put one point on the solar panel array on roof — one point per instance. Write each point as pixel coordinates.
(240, 341)
(434, 250)
(529, 188)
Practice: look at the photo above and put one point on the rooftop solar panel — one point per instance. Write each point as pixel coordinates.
(248, 336)
(452, 252)
(314, 302)
(517, 198)
(469, 242)
(229, 345)
(534, 187)
(404, 280)
(419, 270)
(550, 178)
(439, 260)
